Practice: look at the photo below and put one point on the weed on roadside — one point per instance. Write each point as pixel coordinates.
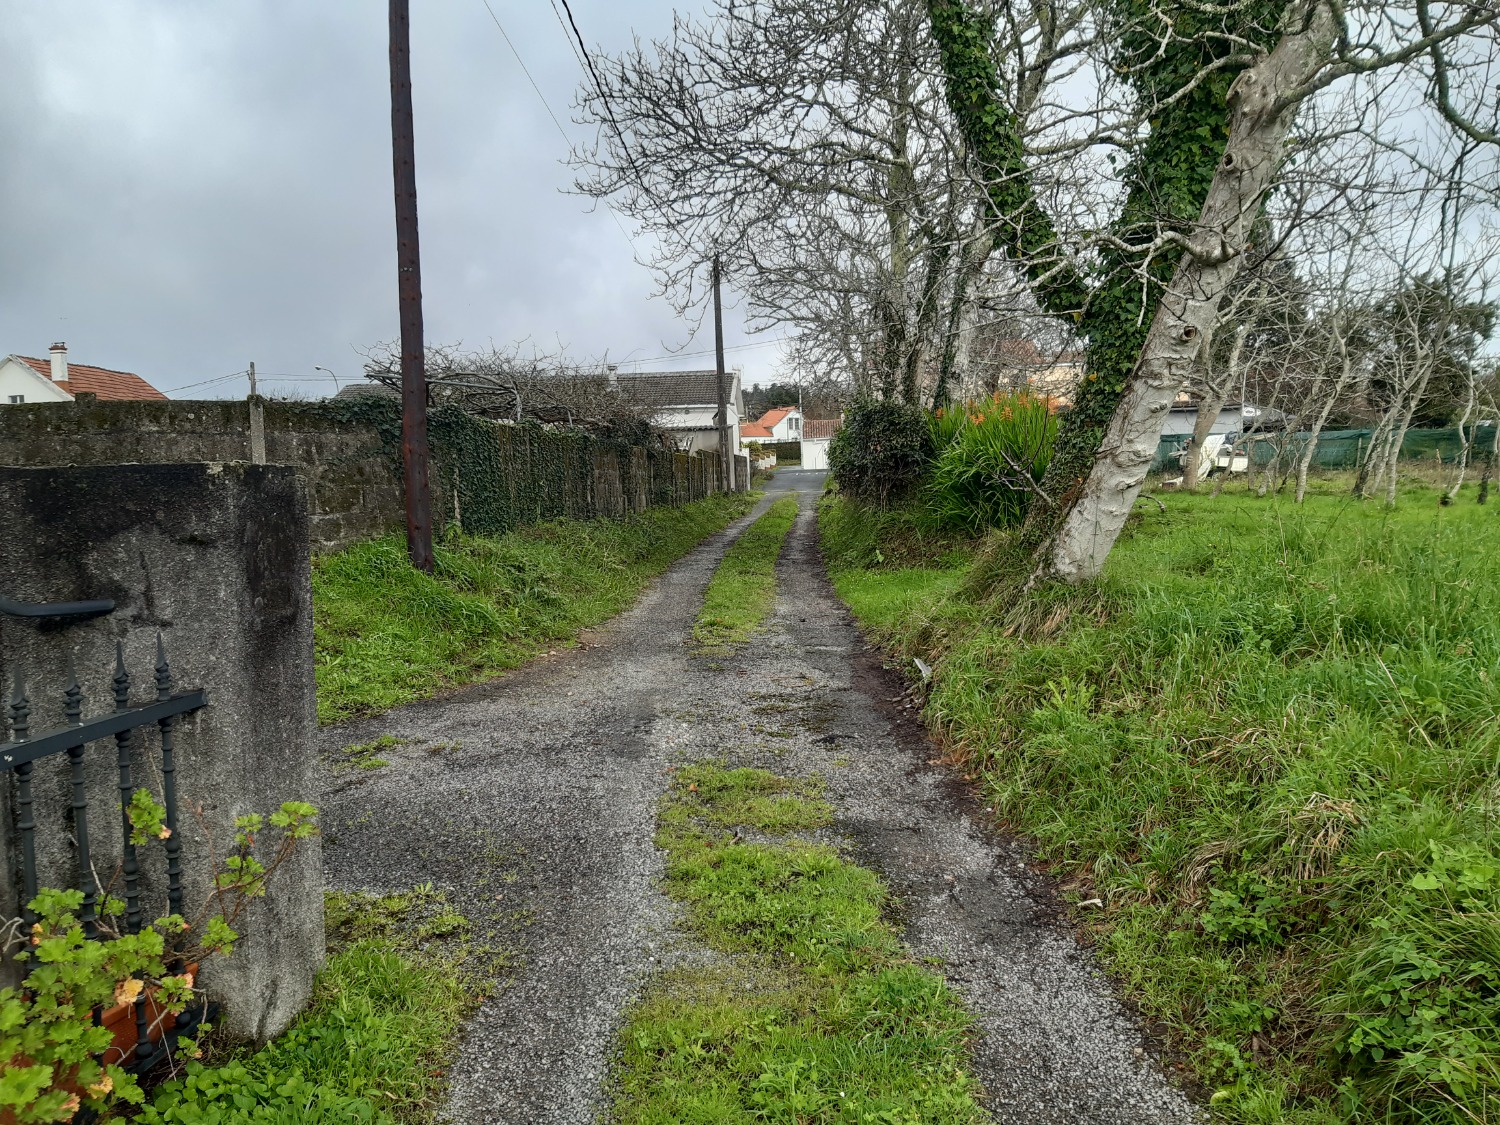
(742, 591)
(366, 755)
(814, 1011)
(387, 634)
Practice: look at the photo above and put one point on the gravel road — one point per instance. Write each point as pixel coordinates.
(530, 801)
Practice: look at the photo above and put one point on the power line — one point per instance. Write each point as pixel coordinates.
(710, 351)
(212, 382)
(548, 107)
(603, 97)
(527, 72)
(567, 38)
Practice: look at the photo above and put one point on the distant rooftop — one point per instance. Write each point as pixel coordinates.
(101, 381)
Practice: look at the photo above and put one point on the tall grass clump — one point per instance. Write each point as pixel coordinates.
(386, 634)
(989, 456)
(1269, 741)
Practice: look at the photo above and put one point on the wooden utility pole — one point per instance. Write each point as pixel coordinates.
(726, 455)
(409, 287)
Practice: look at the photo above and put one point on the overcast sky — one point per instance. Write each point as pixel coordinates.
(187, 185)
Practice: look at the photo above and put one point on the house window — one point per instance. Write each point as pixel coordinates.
(17, 398)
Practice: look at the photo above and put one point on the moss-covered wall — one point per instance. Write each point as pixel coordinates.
(490, 476)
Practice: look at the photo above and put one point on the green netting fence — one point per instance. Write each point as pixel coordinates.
(1341, 449)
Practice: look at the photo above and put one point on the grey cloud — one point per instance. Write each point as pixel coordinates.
(185, 187)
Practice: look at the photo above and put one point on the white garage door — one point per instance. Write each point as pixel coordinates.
(815, 453)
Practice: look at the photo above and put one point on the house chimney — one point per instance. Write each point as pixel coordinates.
(614, 376)
(59, 363)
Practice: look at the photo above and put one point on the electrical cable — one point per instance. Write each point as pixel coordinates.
(603, 97)
(212, 382)
(548, 107)
(524, 70)
(568, 38)
(709, 351)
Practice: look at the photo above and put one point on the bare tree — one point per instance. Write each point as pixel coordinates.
(522, 382)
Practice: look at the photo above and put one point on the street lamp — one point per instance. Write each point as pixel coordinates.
(335, 377)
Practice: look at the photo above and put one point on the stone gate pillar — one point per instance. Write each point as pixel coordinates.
(214, 559)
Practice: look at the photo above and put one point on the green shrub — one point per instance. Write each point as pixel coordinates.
(881, 452)
(988, 455)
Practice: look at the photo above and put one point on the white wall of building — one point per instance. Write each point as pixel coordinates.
(789, 428)
(1231, 420)
(18, 379)
(815, 453)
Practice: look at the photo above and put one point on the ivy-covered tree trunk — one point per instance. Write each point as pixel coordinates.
(1167, 185)
(1262, 103)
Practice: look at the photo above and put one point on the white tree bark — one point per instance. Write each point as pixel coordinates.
(1262, 103)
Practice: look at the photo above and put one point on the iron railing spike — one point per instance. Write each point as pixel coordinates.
(122, 676)
(20, 708)
(163, 670)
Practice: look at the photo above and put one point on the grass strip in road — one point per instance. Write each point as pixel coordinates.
(372, 1046)
(387, 634)
(743, 589)
(814, 1010)
(1266, 743)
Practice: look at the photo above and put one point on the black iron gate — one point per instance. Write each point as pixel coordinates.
(24, 749)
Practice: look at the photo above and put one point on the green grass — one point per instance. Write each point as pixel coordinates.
(372, 1045)
(1268, 739)
(387, 634)
(813, 1012)
(743, 589)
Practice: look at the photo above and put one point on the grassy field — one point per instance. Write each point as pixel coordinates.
(387, 634)
(743, 588)
(1268, 740)
(812, 1011)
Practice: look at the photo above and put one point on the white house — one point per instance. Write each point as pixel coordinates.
(26, 379)
(686, 404)
(780, 423)
(816, 435)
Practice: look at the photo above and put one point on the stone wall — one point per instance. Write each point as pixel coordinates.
(214, 559)
(490, 476)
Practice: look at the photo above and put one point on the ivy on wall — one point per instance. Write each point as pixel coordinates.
(496, 476)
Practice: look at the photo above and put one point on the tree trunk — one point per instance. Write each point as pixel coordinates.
(1208, 413)
(1465, 439)
(1210, 409)
(1346, 368)
(1489, 467)
(1261, 111)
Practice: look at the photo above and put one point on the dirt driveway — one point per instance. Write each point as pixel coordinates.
(530, 801)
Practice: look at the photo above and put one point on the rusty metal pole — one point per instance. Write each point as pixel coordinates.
(409, 275)
(726, 456)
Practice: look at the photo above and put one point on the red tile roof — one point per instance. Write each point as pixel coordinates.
(107, 384)
(755, 430)
(774, 415)
(814, 429)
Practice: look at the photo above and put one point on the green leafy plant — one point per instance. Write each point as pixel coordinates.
(990, 455)
(48, 1036)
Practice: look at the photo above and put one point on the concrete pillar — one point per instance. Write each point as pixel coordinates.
(214, 557)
